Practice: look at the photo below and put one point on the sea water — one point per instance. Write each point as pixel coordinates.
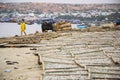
(12, 29)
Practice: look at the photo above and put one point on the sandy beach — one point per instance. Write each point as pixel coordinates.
(23, 64)
(61, 53)
(59, 39)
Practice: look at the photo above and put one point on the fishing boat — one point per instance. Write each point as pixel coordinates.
(80, 26)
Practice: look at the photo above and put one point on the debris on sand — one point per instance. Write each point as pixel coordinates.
(30, 39)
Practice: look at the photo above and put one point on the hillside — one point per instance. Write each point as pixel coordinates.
(53, 7)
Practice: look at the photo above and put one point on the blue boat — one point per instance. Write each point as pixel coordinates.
(80, 26)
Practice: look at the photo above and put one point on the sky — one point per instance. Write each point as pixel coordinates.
(67, 1)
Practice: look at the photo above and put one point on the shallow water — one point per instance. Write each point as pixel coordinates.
(12, 29)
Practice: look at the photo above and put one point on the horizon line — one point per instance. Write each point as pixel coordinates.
(59, 3)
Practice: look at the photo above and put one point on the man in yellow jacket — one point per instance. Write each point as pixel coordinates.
(23, 27)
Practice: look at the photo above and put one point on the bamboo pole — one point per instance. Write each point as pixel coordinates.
(75, 61)
(60, 62)
(67, 74)
(59, 57)
(110, 58)
(89, 52)
(61, 68)
(50, 71)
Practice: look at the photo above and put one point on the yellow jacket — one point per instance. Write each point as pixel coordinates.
(23, 26)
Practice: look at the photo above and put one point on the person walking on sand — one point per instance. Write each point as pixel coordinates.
(23, 27)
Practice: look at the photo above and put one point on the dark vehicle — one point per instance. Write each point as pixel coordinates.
(47, 24)
(117, 22)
